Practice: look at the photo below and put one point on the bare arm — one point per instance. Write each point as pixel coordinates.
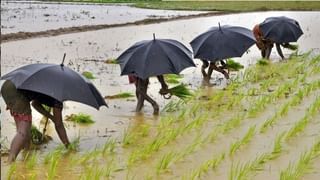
(41, 110)
(279, 50)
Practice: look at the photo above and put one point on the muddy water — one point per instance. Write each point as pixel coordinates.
(86, 51)
(37, 16)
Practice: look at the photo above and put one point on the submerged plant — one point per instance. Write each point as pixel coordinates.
(80, 118)
(111, 61)
(120, 95)
(88, 75)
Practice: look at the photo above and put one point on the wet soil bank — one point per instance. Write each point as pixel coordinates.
(55, 32)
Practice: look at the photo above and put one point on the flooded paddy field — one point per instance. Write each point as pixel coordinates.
(39, 16)
(265, 121)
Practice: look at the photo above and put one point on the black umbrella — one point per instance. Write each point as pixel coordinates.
(222, 42)
(57, 81)
(155, 57)
(281, 29)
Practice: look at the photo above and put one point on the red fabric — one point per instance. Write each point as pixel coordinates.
(21, 117)
(259, 37)
(132, 79)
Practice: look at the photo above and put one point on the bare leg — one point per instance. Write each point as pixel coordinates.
(268, 52)
(142, 90)
(214, 67)
(279, 50)
(205, 64)
(58, 124)
(20, 140)
(263, 53)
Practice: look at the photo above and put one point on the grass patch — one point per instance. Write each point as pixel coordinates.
(88, 75)
(120, 95)
(80, 118)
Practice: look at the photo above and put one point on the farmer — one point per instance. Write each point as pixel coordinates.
(266, 45)
(141, 91)
(213, 66)
(18, 102)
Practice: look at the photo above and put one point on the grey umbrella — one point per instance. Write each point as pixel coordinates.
(222, 42)
(56, 81)
(155, 57)
(281, 29)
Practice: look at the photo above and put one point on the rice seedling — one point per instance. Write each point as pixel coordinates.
(174, 105)
(295, 171)
(233, 65)
(80, 118)
(53, 167)
(239, 172)
(74, 145)
(12, 170)
(232, 123)
(277, 147)
(88, 75)
(109, 146)
(263, 62)
(128, 138)
(88, 157)
(205, 167)
(298, 127)
(181, 91)
(165, 161)
(92, 172)
(122, 95)
(111, 61)
(243, 141)
(31, 159)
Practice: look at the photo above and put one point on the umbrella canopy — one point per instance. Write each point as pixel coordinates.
(56, 81)
(222, 42)
(155, 57)
(281, 29)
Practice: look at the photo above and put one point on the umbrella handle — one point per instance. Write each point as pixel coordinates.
(167, 97)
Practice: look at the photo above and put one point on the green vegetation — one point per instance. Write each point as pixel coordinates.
(233, 66)
(111, 61)
(173, 78)
(36, 135)
(181, 91)
(80, 118)
(88, 75)
(121, 95)
(229, 6)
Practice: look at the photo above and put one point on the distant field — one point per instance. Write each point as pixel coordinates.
(237, 6)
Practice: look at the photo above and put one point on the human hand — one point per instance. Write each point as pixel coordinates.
(164, 91)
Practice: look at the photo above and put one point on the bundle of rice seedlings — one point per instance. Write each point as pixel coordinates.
(292, 46)
(263, 62)
(234, 66)
(80, 118)
(88, 75)
(181, 91)
(37, 136)
(172, 78)
(120, 95)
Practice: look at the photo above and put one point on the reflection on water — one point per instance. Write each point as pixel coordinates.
(87, 51)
